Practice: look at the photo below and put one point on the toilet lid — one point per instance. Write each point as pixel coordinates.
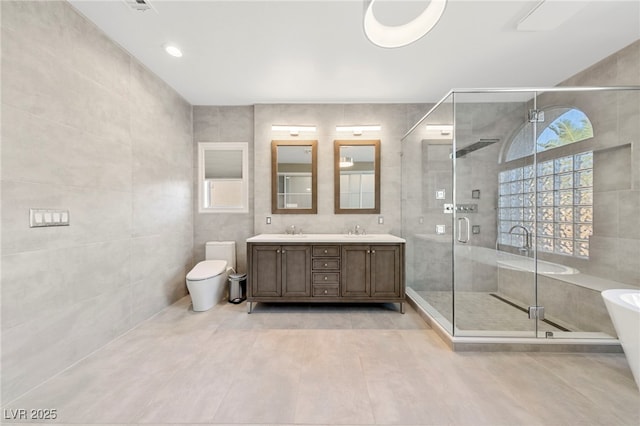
(207, 269)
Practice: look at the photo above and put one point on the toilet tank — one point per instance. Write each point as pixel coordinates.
(221, 250)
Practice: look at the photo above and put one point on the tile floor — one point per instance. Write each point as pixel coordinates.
(481, 311)
(326, 365)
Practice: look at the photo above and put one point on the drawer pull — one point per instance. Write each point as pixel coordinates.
(326, 291)
(325, 265)
(326, 278)
(325, 252)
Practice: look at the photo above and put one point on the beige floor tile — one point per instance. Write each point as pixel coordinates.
(324, 365)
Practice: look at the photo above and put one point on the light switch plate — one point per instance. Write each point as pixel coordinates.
(440, 194)
(48, 217)
(441, 229)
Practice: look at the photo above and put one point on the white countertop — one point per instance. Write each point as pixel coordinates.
(325, 238)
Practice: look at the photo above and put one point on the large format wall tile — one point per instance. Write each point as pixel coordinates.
(85, 128)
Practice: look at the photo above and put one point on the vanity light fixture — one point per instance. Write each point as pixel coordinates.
(358, 130)
(293, 130)
(173, 50)
(402, 35)
(346, 162)
(443, 129)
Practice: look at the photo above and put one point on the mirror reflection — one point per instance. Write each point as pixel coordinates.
(294, 177)
(357, 176)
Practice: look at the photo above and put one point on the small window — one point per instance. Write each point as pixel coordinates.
(223, 177)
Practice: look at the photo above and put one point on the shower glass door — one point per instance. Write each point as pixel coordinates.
(493, 215)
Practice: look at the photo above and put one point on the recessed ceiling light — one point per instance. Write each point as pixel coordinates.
(173, 50)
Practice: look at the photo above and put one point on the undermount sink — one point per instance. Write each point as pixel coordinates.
(358, 235)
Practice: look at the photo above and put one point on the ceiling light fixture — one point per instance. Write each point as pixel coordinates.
(402, 35)
(173, 50)
(345, 162)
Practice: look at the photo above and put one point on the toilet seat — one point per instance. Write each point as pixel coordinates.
(207, 269)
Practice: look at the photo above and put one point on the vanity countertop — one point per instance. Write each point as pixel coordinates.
(325, 238)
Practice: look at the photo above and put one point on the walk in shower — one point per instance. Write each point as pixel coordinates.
(519, 207)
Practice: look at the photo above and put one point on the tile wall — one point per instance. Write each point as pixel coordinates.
(223, 124)
(87, 128)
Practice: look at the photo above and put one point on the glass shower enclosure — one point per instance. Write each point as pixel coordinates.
(518, 210)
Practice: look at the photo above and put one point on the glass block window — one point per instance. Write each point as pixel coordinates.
(555, 202)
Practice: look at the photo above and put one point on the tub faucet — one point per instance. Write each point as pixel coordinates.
(527, 238)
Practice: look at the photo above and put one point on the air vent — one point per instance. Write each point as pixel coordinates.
(139, 5)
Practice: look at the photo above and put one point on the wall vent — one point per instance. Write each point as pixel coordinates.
(139, 5)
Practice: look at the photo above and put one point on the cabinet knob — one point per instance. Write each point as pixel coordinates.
(325, 252)
(373, 251)
(278, 251)
(326, 291)
(326, 278)
(368, 251)
(325, 265)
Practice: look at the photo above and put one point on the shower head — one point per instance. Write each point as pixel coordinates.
(475, 146)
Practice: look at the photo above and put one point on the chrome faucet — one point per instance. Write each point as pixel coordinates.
(527, 238)
(357, 230)
(291, 230)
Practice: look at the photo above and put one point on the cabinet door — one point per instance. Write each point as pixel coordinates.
(296, 270)
(385, 271)
(266, 271)
(355, 270)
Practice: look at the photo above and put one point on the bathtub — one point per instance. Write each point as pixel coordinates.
(624, 309)
(520, 263)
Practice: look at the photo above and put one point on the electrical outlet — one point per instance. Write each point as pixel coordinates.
(268, 220)
(380, 220)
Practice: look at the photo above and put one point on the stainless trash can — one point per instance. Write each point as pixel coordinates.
(237, 287)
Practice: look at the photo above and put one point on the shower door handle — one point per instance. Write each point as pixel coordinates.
(465, 221)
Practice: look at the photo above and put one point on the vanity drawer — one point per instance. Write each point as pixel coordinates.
(326, 277)
(326, 264)
(326, 290)
(325, 251)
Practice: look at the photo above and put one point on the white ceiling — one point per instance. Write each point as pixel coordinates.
(301, 51)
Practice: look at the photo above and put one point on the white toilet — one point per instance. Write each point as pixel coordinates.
(207, 281)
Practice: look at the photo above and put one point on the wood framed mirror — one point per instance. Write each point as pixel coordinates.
(294, 177)
(356, 178)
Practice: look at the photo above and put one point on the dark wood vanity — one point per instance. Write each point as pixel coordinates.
(325, 268)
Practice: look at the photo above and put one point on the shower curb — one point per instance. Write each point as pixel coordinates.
(512, 344)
